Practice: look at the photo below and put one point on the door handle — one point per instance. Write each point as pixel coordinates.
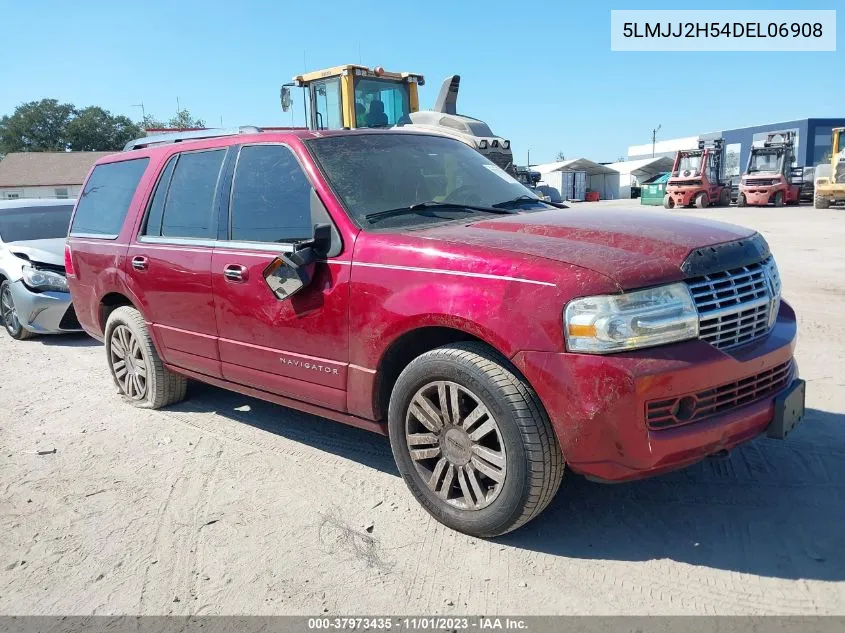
(235, 272)
(139, 262)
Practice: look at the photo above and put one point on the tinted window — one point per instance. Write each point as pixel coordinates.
(271, 197)
(188, 211)
(105, 200)
(34, 223)
(153, 223)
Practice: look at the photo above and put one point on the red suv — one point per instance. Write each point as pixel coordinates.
(402, 283)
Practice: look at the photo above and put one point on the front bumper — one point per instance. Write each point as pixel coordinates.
(44, 312)
(597, 404)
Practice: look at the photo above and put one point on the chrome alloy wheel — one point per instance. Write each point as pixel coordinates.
(456, 445)
(127, 363)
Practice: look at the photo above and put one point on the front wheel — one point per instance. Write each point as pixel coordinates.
(472, 441)
(741, 201)
(9, 314)
(137, 370)
(701, 200)
(778, 199)
(820, 202)
(668, 202)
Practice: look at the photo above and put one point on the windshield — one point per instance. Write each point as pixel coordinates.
(381, 102)
(689, 163)
(372, 173)
(34, 223)
(764, 162)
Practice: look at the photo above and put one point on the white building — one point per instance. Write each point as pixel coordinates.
(45, 174)
(635, 172)
(571, 179)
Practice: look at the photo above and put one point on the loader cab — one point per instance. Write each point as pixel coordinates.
(351, 96)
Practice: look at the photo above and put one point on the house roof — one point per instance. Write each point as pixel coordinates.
(577, 164)
(644, 168)
(46, 169)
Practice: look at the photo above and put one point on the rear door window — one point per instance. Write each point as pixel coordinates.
(105, 200)
(271, 197)
(188, 209)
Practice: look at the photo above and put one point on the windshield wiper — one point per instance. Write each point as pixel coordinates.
(433, 206)
(516, 202)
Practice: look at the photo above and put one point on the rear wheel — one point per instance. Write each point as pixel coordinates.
(820, 202)
(725, 198)
(135, 366)
(701, 200)
(778, 199)
(741, 201)
(472, 440)
(668, 202)
(9, 314)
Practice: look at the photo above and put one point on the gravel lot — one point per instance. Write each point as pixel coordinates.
(228, 505)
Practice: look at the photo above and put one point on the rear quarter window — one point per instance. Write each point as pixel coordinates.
(104, 202)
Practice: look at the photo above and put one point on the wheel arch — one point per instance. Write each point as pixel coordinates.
(415, 341)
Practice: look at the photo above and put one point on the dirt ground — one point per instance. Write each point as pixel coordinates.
(228, 505)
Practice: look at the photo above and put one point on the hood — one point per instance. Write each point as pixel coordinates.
(633, 248)
(50, 251)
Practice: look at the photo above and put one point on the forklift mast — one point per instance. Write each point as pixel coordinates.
(714, 157)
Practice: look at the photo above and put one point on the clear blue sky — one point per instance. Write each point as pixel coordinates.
(540, 73)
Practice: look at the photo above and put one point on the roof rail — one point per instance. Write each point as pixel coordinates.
(178, 137)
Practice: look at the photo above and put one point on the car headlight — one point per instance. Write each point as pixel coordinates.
(631, 320)
(44, 279)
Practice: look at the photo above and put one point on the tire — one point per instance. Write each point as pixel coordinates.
(701, 200)
(519, 438)
(778, 199)
(9, 315)
(820, 202)
(725, 198)
(147, 383)
(741, 201)
(668, 202)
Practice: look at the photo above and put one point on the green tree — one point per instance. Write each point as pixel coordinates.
(181, 121)
(560, 157)
(94, 129)
(184, 119)
(37, 126)
(149, 122)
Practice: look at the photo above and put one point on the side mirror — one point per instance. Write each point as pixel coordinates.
(289, 273)
(285, 98)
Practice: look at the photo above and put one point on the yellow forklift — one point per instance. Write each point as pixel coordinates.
(830, 179)
(353, 96)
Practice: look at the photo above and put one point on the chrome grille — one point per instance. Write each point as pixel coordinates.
(737, 306)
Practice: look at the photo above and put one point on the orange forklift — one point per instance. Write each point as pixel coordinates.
(768, 177)
(697, 178)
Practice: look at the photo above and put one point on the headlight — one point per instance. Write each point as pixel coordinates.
(613, 323)
(44, 279)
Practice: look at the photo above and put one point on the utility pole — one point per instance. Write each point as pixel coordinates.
(654, 138)
(143, 111)
(528, 159)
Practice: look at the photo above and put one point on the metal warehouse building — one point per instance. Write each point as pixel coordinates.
(813, 142)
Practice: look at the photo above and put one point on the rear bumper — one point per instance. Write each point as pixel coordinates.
(44, 312)
(683, 197)
(597, 404)
(758, 196)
